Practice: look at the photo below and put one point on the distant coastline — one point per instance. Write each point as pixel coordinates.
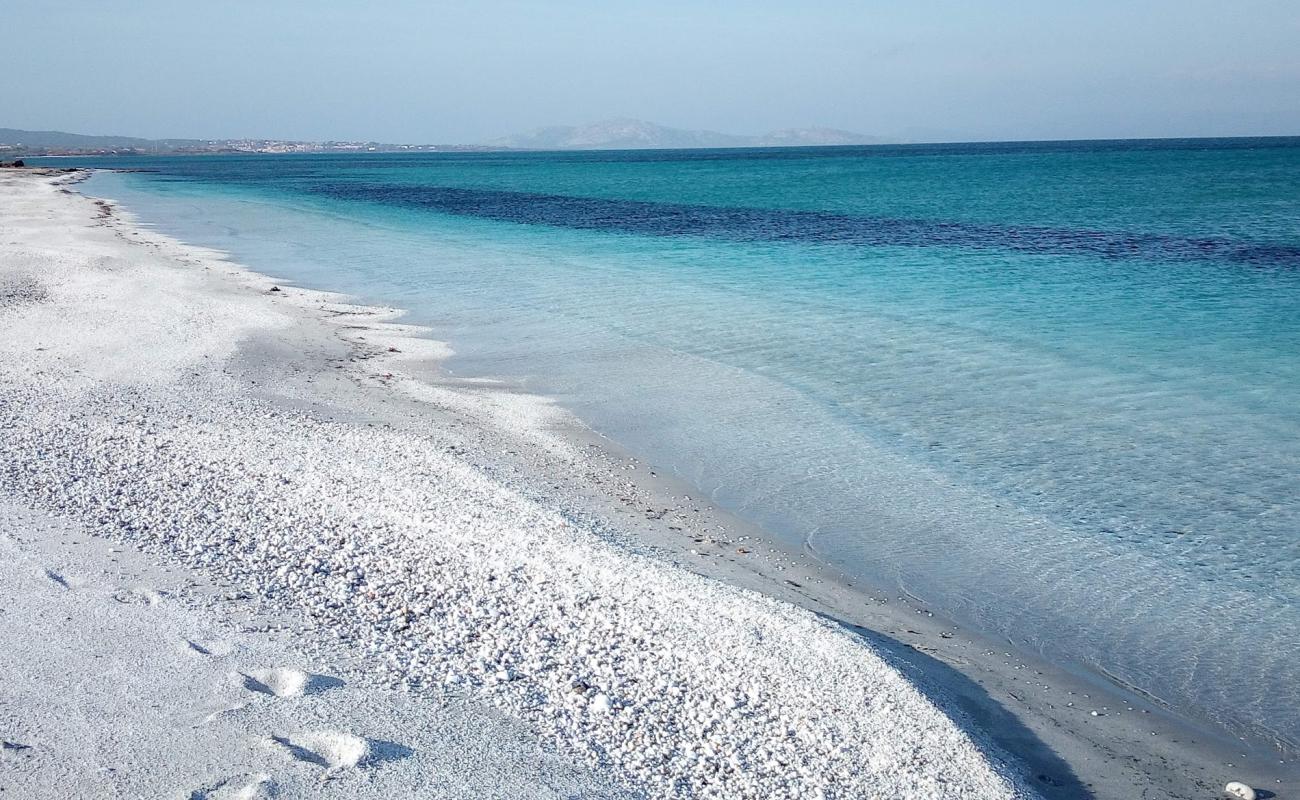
(16, 143)
(616, 134)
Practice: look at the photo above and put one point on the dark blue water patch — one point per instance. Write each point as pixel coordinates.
(648, 218)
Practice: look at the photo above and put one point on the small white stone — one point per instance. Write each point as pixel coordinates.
(1239, 790)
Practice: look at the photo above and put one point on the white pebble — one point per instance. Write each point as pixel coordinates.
(1239, 790)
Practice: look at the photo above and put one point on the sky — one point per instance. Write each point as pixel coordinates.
(465, 72)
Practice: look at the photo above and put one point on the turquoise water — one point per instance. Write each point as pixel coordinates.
(1050, 389)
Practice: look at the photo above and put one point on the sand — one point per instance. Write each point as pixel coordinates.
(414, 586)
(128, 679)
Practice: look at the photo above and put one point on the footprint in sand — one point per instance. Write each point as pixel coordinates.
(337, 750)
(133, 595)
(285, 682)
(242, 787)
(332, 750)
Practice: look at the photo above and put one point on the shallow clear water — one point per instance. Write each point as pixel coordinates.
(1051, 389)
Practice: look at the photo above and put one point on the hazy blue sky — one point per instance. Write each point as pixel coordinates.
(411, 71)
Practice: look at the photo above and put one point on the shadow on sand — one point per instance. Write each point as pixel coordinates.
(972, 709)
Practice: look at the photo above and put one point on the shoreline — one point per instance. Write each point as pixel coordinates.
(556, 461)
(1037, 711)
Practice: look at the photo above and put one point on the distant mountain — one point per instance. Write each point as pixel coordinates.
(635, 134)
(617, 134)
(817, 137)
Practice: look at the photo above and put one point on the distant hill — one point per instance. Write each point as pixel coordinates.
(617, 134)
(817, 137)
(635, 134)
(19, 142)
(13, 138)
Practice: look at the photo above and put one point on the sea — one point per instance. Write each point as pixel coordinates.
(1050, 389)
